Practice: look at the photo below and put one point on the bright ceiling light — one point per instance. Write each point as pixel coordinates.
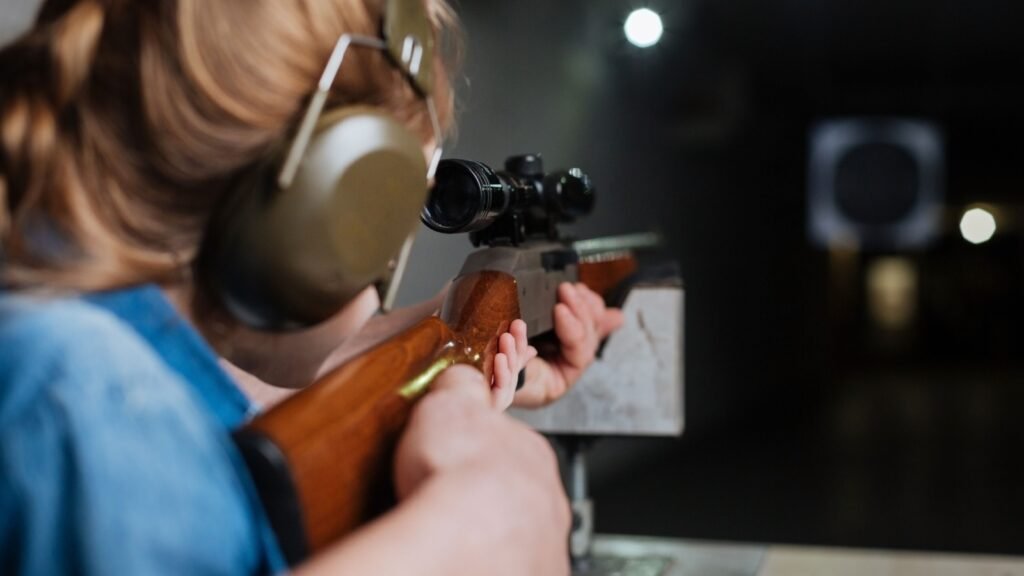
(643, 28)
(977, 225)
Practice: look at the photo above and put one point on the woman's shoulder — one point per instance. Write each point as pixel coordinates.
(92, 419)
(75, 362)
(52, 348)
(57, 319)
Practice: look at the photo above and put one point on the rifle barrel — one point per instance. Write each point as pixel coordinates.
(613, 244)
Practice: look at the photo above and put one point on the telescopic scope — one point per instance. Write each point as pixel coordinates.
(513, 204)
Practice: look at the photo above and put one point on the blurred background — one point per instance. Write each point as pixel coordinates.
(853, 359)
(854, 366)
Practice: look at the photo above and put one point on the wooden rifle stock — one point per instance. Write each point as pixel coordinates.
(321, 460)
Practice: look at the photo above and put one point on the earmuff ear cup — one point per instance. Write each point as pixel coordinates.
(292, 258)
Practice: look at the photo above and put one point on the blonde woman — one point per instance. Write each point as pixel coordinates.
(122, 125)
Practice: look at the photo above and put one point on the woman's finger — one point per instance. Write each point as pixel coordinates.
(571, 297)
(504, 385)
(508, 392)
(507, 344)
(592, 309)
(593, 300)
(612, 320)
(531, 353)
(572, 337)
(500, 374)
(518, 331)
(607, 320)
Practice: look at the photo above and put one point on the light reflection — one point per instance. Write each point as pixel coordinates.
(977, 225)
(892, 285)
(643, 28)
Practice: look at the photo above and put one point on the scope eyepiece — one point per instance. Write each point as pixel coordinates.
(571, 192)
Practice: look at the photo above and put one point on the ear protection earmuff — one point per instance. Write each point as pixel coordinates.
(296, 240)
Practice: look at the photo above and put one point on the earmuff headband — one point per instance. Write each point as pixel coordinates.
(319, 100)
(410, 59)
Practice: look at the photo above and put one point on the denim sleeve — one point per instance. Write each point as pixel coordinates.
(107, 464)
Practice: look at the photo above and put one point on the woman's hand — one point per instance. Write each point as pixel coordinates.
(504, 476)
(513, 355)
(479, 493)
(582, 321)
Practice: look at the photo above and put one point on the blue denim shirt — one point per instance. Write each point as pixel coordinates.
(115, 454)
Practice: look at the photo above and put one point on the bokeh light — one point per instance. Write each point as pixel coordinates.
(977, 225)
(643, 28)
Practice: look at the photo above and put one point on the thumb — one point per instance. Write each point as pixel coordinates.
(466, 381)
(613, 320)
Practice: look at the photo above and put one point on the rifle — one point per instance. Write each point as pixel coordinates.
(321, 460)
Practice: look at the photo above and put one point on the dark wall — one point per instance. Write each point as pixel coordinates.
(666, 137)
(800, 427)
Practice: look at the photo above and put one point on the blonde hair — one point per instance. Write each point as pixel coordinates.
(123, 122)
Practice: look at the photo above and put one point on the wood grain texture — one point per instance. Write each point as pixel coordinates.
(479, 308)
(339, 434)
(604, 275)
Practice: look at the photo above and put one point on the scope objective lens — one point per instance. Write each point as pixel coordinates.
(467, 196)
